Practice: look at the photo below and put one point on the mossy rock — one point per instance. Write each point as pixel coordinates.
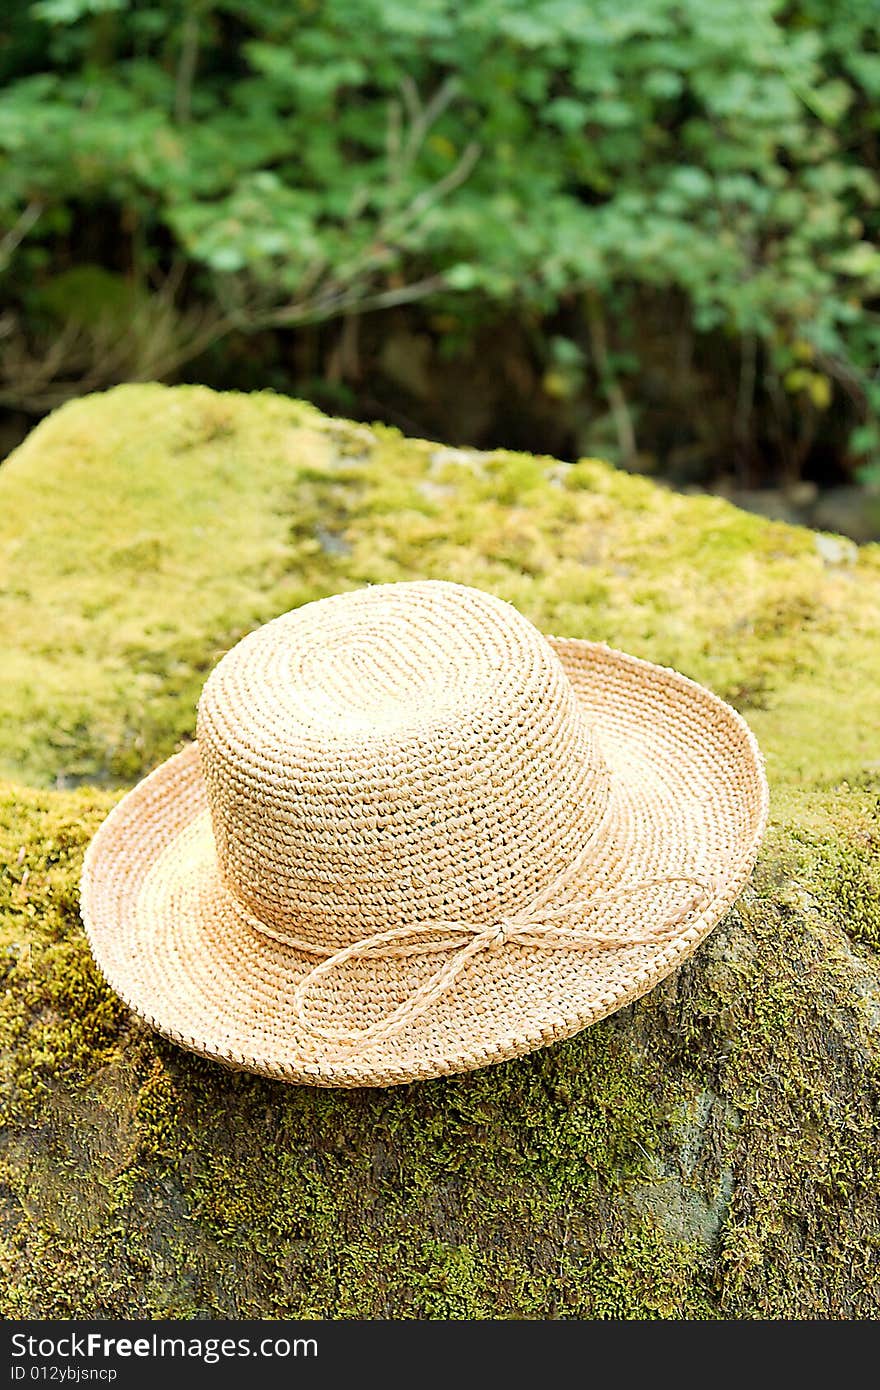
(710, 1151)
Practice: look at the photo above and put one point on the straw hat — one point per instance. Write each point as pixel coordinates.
(415, 837)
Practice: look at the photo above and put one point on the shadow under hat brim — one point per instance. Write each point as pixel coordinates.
(689, 798)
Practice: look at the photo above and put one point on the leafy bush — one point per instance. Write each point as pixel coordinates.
(254, 165)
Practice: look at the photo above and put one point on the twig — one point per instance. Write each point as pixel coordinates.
(17, 233)
(410, 93)
(616, 399)
(394, 138)
(186, 68)
(403, 148)
(429, 196)
(356, 299)
(427, 116)
(745, 398)
(850, 378)
(406, 294)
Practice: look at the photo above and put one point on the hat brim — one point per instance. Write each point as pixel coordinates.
(690, 797)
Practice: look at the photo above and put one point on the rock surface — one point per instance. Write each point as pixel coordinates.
(710, 1151)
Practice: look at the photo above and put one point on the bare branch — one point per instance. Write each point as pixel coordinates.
(17, 233)
(411, 100)
(353, 299)
(438, 103)
(423, 117)
(617, 400)
(406, 294)
(849, 377)
(186, 68)
(437, 191)
(151, 343)
(394, 135)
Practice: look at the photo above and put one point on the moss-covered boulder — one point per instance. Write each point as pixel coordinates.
(710, 1151)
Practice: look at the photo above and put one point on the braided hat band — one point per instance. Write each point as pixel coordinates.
(546, 923)
(415, 837)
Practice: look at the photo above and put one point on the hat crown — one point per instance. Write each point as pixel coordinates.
(404, 754)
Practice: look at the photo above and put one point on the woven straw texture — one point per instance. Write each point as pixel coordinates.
(416, 837)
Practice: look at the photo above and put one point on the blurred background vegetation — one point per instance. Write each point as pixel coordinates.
(645, 230)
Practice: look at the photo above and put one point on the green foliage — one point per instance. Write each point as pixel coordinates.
(310, 160)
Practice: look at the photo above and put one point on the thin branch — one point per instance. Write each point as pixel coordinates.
(186, 68)
(410, 93)
(394, 137)
(167, 288)
(616, 399)
(406, 294)
(852, 381)
(745, 398)
(402, 145)
(430, 196)
(355, 299)
(423, 117)
(17, 233)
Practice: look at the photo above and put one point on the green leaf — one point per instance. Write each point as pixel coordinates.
(69, 11)
(462, 277)
(862, 261)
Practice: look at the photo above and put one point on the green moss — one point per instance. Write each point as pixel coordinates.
(847, 869)
(59, 1014)
(143, 531)
(711, 1151)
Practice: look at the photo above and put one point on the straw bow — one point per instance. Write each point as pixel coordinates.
(537, 926)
